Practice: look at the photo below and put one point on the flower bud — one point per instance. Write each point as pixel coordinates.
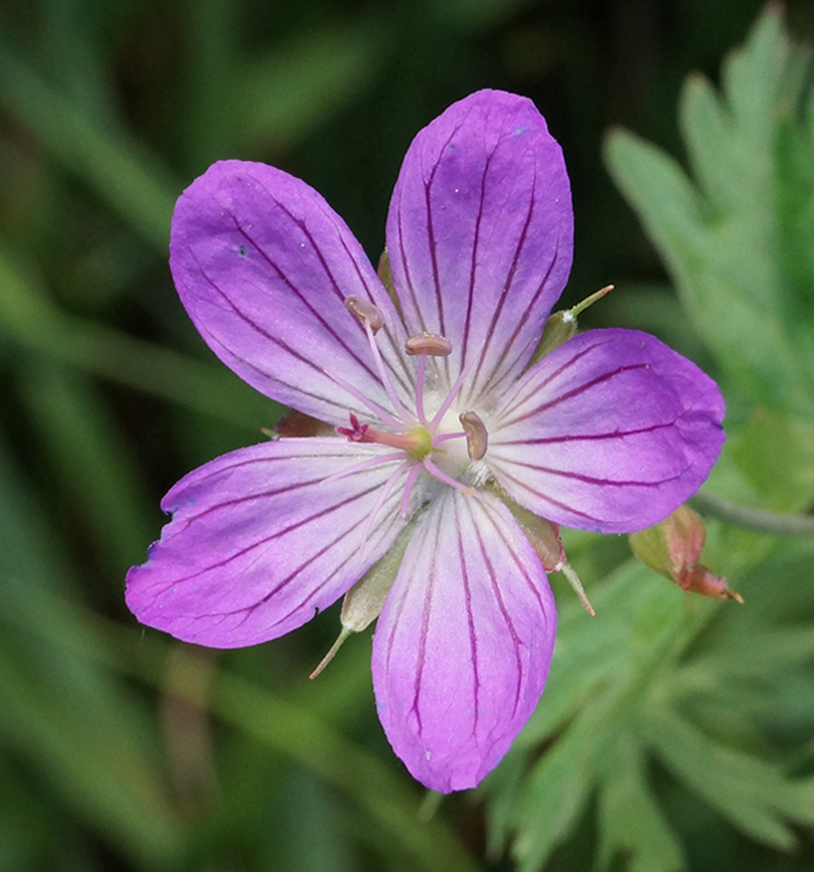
(544, 536)
(298, 424)
(673, 549)
(363, 602)
(562, 326)
(386, 278)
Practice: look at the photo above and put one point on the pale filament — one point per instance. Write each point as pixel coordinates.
(455, 390)
(375, 408)
(408, 488)
(381, 499)
(460, 434)
(405, 416)
(419, 391)
(438, 473)
(365, 464)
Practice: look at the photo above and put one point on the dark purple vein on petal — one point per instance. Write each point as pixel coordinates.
(431, 233)
(504, 295)
(295, 389)
(425, 626)
(584, 437)
(604, 482)
(439, 297)
(517, 400)
(247, 611)
(581, 389)
(301, 223)
(405, 379)
(329, 328)
(275, 459)
(247, 498)
(523, 570)
(470, 619)
(540, 495)
(494, 380)
(473, 264)
(406, 267)
(387, 519)
(279, 533)
(499, 596)
(254, 326)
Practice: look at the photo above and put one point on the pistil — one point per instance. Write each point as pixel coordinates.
(416, 442)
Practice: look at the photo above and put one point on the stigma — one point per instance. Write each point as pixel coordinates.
(415, 442)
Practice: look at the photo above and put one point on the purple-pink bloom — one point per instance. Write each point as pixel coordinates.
(610, 432)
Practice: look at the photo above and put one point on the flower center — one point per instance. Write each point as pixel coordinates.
(434, 443)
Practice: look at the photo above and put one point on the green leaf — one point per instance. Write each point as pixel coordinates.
(750, 792)
(631, 823)
(774, 452)
(639, 627)
(794, 162)
(723, 241)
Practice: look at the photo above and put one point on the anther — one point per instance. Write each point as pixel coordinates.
(366, 312)
(477, 439)
(429, 343)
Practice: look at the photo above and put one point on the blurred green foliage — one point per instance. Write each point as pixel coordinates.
(675, 732)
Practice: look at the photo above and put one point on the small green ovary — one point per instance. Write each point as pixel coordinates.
(422, 443)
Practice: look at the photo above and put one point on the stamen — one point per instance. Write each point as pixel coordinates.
(374, 407)
(388, 385)
(433, 470)
(429, 343)
(419, 391)
(439, 415)
(380, 501)
(477, 438)
(458, 434)
(368, 313)
(365, 464)
(408, 488)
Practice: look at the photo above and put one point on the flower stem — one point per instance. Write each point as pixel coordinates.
(773, 523)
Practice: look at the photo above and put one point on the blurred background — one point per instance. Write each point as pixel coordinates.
(121, 749)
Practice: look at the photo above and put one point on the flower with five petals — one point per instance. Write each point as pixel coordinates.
(444, 424)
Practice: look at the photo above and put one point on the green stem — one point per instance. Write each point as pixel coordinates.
(753, 519)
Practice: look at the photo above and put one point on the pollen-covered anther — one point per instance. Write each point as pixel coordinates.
(477, 437)
(429, 343)
(366, 312)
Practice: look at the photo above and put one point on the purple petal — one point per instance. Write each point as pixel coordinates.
(263, 265)
(260, 541)
(480, 231)
(610, 432)
(464, 642)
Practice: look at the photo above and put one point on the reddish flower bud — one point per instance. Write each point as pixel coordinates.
(673, 549)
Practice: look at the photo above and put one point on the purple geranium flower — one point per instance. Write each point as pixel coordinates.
(446, 430)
